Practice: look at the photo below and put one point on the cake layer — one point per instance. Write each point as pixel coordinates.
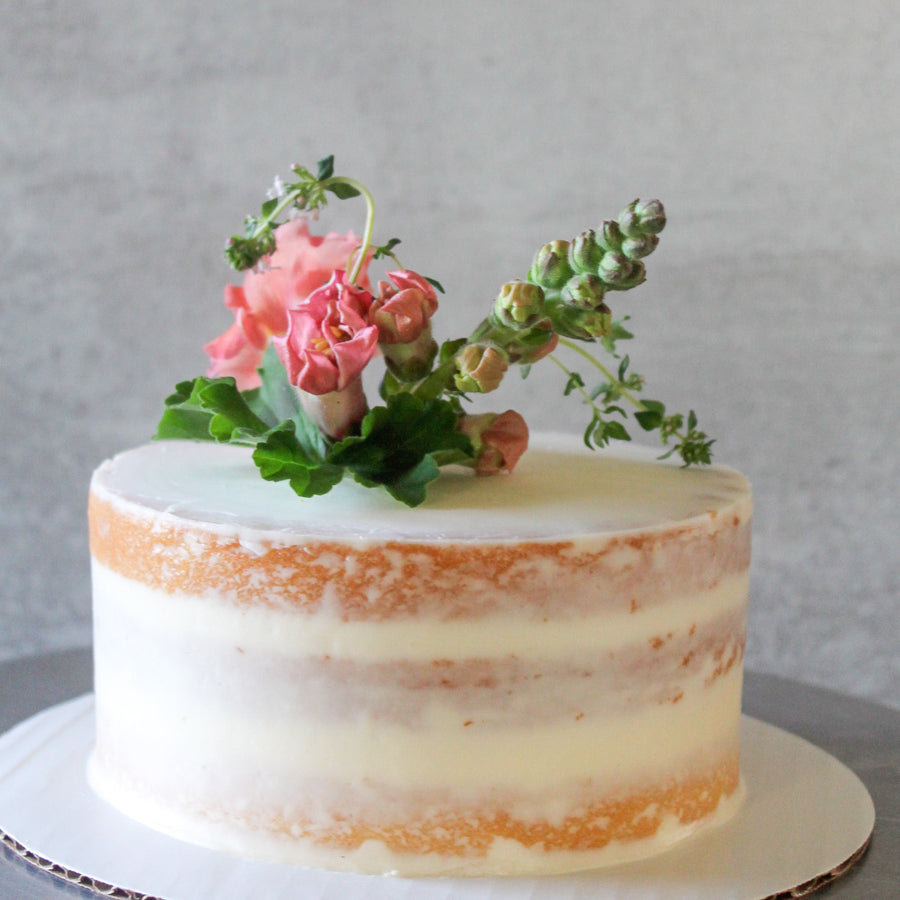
(543, 668)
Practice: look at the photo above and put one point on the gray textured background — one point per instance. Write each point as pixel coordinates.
(136, 136)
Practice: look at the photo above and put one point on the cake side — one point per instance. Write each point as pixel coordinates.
(421, 703)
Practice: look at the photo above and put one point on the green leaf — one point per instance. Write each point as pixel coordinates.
(616, 431)
(281, 457)
(449, 349)
(343, 191)
(411, 487)
(385, 249)
(208, 408)
(618, 332)
(325, 168)
(390, 385)
(276, 399)
(435, 284)
(651, 416)
(184, 424)
(398, 444)
(574, 382)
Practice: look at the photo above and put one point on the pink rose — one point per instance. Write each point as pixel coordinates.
(402, 310)
(498, 440)
(328, 341)
(300, 264)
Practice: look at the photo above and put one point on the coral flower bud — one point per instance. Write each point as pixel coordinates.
(498, 440)
(481, 368)
(401, 310)
(551, 268)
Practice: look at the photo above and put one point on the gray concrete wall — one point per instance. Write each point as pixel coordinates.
(135, 136)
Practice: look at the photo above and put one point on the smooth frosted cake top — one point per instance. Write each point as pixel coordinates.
(559, 489)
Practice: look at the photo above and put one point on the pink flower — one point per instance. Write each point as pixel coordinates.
(234, 353)
(402, 310)
(328, 341)
(498, 440)
(300, 264)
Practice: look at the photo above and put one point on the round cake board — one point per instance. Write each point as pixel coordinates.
(806, 819)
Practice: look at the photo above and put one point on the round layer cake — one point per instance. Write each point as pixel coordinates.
(537, 672)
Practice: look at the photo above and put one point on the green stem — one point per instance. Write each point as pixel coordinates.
(286, 201)
(569, 373)
(622, 390)
(370, 219)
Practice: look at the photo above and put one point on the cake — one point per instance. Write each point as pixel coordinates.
(529, 673)
(376, 634)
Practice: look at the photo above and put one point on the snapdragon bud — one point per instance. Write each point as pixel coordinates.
(480, 368)
(651, 215)
(518, 305)
(609, 236)
(584, 291)
(637, 275)
(638, 247)
(497, 440)
(582, 324)
(585, 253)
(551, 268)
(638, 219)
(615, 268)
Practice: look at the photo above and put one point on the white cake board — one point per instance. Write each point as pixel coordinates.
(806, 819)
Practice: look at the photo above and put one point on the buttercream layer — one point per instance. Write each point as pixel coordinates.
(496, 669)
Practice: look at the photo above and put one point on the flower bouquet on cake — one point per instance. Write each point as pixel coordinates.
(287, 377)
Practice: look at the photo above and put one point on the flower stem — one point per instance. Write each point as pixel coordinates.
(621, 389)
(569, 373)
(370, 219)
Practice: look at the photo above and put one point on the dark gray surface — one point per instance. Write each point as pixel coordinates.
(864, 736)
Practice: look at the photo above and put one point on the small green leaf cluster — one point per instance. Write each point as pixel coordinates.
(307, 191)
(604, 401)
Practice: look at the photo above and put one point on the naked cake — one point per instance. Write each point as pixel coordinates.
(372, 658)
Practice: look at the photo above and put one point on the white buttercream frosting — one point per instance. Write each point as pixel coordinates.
(559, 489)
